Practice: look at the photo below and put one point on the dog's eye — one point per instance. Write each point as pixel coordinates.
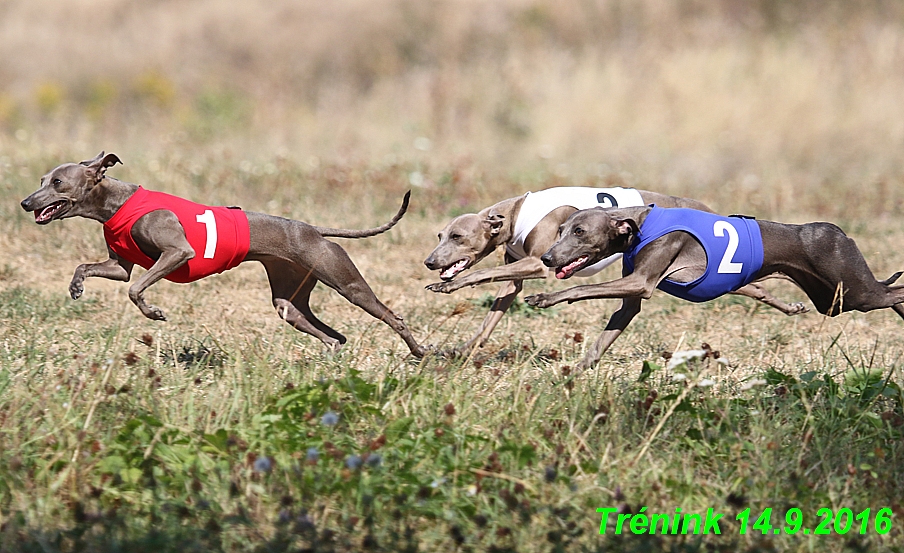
(578, 231)
(57, 181)
(456, 237)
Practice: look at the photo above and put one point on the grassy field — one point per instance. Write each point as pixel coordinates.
(224, 429)
(212, 430)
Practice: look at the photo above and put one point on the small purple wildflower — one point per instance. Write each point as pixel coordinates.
(329, 419)
(353, 462)
(374, 460)
(312, 454)
(263, 464)
(284, 517)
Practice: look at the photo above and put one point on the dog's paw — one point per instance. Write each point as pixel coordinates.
(797, 308)
(540, 300)
(455, 353)
(153, 313)
(442, 287)
(423, 351)
(76, 289)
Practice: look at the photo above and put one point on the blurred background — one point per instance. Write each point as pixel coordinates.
(789, 108)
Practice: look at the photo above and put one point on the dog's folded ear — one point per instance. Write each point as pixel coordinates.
(620, 220)
(493, 223)
(100, 163)
(622, 227)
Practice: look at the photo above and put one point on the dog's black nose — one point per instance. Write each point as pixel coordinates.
(430, 263)
(546, 259)
(24, 204)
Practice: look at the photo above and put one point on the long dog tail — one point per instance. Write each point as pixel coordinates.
(345, 233)
(891, 280)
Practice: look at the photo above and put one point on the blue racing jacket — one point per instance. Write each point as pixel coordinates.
(733, 246)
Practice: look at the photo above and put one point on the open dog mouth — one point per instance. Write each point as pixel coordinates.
(566, 271)
(45, 215)
(449, 272)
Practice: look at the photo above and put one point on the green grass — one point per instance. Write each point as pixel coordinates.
(208, 432)
(220, 443)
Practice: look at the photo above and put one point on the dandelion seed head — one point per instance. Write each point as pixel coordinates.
(422, 143)
(753, 384)
(416, 178)
(681, 357)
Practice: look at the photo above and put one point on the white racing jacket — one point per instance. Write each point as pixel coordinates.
(538, 205)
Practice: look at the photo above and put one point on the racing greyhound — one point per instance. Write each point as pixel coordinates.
(183, 241)
(700, 256)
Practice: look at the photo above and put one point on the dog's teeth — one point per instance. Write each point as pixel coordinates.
(454, 269)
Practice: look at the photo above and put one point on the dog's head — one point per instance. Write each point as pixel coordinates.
(588, 236)
(465, 241)
(64, 189)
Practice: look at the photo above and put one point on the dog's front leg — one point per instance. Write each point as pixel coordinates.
(631, 286)
(529, 267)
(168, 262)
(158, 232)
(504, 299)
(617, 323)
(113, 268)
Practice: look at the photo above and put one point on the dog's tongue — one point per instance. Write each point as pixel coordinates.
(567, 270)
(454, 269)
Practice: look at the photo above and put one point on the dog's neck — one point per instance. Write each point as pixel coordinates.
(105, 199)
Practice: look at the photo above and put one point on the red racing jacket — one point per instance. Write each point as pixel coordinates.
(219, 235)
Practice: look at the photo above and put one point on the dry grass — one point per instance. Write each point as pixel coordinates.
(757, 106)
(63, 360)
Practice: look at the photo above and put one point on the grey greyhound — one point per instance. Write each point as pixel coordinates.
(471, 237)
(295, 254)
(677, 257)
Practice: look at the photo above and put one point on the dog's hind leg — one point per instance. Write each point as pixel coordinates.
(341, 275)
(833, 272)
(294, 317)
(899, 309)
(291, 290)
(301, 300)
(757, 292)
